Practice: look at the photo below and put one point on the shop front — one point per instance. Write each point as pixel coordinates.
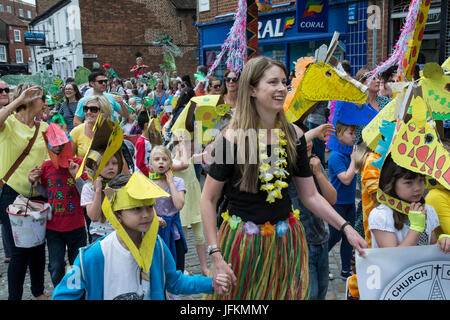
(289, 34)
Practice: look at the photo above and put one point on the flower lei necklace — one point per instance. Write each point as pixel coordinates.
(271, 176)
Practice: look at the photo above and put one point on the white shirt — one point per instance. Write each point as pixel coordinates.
(382, 218)
(122, 278)
(87, 197)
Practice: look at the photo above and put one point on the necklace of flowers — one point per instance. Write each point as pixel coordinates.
(271, 176)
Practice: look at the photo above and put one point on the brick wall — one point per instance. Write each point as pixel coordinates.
(117, 30)
(43, 5)
(17, 45)
(382, 49)
(15, 6)
(221, 7)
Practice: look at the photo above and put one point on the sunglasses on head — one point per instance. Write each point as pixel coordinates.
(91, 109)
(102, 81)
(4, 90)
(234, 79)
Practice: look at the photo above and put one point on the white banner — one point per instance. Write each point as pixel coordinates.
(406, 273)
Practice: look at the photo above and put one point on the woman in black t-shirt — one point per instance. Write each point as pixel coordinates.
(261, 243)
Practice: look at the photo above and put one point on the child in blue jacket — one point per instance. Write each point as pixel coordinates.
(131, 263)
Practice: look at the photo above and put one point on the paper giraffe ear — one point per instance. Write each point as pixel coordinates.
(417, 146)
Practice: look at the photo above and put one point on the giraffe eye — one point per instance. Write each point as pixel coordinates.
(429, 138)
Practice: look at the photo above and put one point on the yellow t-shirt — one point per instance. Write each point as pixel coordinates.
(13, 140)
(81, 140)
(440, 201)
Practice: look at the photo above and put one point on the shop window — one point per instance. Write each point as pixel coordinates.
(210, 58)
(276, 51)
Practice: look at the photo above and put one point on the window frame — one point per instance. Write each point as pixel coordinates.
(17, 38)
(21, 55)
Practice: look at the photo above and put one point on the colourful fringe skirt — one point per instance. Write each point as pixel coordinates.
(270, 262)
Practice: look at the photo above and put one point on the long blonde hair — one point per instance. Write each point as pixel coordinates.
(246, 118)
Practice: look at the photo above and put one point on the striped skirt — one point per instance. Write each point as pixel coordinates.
(270, 262)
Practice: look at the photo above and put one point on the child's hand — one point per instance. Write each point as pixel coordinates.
(314, 162)
(353, 155)
(34, 175)
(162, 222)
(444, 242)
(417, 206)
(169, 176)
(98, 183)
(417, 217)
(73, 168)
(222, 284)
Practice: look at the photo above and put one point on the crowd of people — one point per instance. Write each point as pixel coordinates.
(267, 235)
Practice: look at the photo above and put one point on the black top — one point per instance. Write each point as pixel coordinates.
(254, 207)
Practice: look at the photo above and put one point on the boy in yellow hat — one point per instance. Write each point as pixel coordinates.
(123, 264)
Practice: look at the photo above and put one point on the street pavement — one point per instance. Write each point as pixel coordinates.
(336, 287)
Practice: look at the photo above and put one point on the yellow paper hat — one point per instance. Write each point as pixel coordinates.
(154, 131)
(138, 192)
(446, 64)
(107, 140)
(371, 132)
(436, 90)
(208, 110)
(318, 81)
(417, 146)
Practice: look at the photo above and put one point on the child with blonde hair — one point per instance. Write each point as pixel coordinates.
(169, 208)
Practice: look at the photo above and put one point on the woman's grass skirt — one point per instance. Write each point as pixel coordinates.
(269, 266)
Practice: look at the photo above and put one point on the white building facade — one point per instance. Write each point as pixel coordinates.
(63, 51)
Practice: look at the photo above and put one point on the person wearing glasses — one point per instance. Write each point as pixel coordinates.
(230, 88)
(4, 94)
(82, 135)
(18, 126)
(71, 97)
(214, 86)
(99, 82)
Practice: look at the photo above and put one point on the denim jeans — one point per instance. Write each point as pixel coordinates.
(21, 258)
(56, 244)
(318, 270)
(348, 212)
